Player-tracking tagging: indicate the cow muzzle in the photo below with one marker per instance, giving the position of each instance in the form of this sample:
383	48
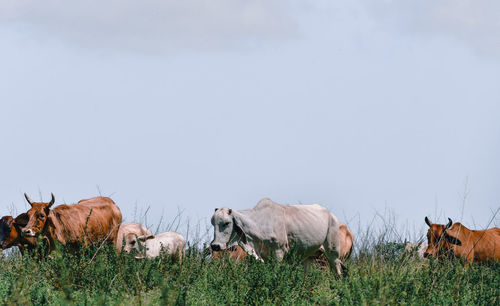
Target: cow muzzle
28	232
215	247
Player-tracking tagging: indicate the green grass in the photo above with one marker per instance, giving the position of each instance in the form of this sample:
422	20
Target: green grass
109	278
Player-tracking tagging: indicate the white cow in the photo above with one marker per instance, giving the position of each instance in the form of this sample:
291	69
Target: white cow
271	229
128	233
419	248
169	242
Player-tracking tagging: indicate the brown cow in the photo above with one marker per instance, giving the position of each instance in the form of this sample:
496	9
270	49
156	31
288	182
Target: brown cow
89	221
458	241
10	233
235	253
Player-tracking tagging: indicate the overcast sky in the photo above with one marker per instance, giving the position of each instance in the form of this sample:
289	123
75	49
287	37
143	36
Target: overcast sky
361	106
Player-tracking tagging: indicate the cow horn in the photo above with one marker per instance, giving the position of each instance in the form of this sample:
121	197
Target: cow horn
428	221
449	224
52	199
28	199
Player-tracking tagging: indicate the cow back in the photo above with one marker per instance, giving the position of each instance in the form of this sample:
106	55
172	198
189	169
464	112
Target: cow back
88	221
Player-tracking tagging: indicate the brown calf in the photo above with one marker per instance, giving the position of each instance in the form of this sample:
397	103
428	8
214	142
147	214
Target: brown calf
458	241
235	253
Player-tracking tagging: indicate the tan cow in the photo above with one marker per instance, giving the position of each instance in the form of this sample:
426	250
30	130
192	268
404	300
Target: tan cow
87	222
458	241
346	241
127	236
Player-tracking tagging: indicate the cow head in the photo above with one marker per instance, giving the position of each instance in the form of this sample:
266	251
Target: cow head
440	243
226	229
134	242
140	245
38	215
10	229
7	235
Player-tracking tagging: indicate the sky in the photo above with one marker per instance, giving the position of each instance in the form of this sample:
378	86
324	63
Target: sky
370	108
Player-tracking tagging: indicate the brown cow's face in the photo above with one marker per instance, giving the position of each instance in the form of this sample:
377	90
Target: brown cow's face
440	243
37	215
7	232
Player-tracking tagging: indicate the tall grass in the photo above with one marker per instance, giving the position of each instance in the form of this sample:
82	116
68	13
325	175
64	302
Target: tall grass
379	273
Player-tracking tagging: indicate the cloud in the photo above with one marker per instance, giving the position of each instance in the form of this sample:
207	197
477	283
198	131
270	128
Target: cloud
152	25
473	22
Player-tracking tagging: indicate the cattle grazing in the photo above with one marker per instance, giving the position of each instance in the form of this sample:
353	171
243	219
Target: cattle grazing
150	246
87	222
10	233
271	229
235	253
127	236
346	242
458	241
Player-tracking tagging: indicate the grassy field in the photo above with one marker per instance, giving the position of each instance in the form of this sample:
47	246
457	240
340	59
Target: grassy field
381	276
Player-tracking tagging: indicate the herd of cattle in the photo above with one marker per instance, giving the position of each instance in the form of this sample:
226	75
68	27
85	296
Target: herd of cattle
267	230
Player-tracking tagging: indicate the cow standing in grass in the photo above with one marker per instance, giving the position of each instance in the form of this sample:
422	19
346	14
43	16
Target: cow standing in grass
458	241
271	229
89	221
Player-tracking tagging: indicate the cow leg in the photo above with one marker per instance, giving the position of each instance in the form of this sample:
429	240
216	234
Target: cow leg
280	254
307	263
332	247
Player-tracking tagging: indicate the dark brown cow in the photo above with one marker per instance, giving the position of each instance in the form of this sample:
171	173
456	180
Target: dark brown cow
10	233
458	241
89	221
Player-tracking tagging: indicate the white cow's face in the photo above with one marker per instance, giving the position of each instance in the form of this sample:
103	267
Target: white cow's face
139	244
131	243
222	220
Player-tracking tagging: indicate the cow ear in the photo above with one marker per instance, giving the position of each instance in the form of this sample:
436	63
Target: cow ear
230	211
22	219
150	237
452	239
239	227
216	209
428	221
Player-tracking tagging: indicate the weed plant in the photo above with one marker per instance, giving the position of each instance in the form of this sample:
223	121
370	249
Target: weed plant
383	276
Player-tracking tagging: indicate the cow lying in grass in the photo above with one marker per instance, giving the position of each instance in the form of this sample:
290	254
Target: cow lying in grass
150	246
127	236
